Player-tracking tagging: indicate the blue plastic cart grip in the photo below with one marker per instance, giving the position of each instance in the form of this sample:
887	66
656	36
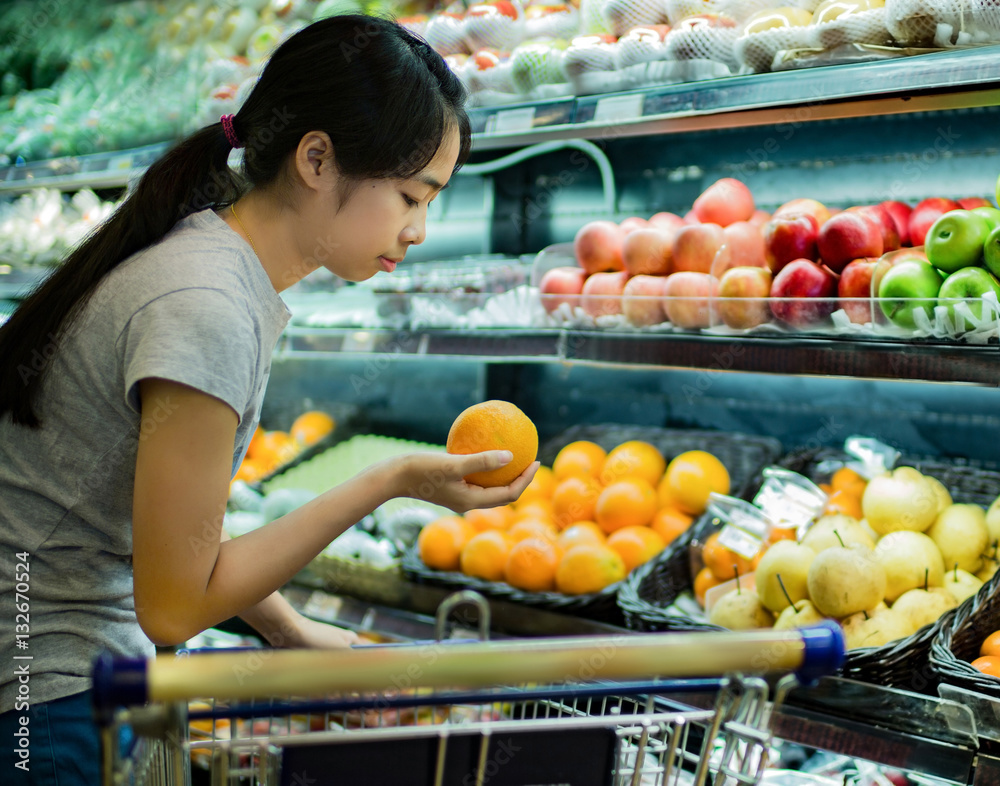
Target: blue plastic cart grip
824	651
118	682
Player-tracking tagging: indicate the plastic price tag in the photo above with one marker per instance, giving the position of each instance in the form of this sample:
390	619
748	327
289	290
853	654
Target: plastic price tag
619	108
511	121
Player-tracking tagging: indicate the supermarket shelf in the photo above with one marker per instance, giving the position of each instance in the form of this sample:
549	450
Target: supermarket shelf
873	359
15	282
99	170
936	81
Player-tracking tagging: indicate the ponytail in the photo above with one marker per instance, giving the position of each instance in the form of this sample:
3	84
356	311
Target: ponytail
194	175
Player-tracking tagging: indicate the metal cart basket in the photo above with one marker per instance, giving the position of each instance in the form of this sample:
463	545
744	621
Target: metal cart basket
538	712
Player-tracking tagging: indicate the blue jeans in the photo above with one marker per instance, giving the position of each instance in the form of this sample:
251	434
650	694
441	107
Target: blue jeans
63	744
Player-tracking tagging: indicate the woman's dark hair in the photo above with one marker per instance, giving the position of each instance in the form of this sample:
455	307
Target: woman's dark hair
386	99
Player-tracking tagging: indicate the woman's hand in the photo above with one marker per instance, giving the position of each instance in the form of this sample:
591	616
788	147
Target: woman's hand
439	478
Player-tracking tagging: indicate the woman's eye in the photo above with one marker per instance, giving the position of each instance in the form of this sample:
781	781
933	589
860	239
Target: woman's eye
410	201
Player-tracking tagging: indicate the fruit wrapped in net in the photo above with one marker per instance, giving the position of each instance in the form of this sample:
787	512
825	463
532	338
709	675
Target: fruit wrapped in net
446	33
704	37
742	10
589	64
551	20
641	45
943	23
861	27
498	25
536	63
767	33
620	16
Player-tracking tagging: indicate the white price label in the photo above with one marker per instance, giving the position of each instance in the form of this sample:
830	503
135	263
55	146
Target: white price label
120	163
513	121
618	108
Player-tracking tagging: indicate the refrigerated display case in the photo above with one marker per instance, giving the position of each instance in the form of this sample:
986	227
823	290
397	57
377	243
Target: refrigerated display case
855	133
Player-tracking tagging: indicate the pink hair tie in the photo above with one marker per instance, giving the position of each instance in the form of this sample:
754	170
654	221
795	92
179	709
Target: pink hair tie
227	126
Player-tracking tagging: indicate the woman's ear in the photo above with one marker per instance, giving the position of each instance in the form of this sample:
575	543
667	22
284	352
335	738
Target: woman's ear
314	161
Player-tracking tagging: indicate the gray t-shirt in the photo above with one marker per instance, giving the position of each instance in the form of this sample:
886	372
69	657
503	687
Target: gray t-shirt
195	308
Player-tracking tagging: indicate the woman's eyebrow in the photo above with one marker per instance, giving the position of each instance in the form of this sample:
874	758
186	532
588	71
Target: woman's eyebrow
430	181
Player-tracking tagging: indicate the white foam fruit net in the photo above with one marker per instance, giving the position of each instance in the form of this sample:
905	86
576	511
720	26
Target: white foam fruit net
703	38
866	27
943	23
620	16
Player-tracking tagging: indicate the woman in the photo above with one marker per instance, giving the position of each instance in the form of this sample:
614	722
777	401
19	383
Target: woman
132	379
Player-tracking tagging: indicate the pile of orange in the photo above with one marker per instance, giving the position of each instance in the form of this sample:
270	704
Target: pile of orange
582	524
269	450
845	489
988	661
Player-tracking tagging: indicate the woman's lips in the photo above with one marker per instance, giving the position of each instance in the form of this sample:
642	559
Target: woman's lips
388	265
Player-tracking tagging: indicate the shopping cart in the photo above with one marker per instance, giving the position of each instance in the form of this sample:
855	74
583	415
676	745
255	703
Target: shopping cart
511	713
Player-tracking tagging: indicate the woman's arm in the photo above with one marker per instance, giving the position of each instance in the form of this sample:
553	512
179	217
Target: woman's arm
185	578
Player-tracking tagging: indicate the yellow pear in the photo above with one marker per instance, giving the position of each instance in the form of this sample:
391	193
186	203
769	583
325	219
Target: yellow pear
801	615
900	500
836	530
843	581
993	525
782	574
923	607
876	630
941	491
988	570
961	584
961	534
740	610
910	560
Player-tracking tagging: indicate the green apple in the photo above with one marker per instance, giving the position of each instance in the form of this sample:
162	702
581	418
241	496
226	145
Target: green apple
969	283
991	214
956	240
998	190
907	286
991	252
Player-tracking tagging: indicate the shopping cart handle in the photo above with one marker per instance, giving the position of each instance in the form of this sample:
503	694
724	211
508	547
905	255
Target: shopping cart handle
824	651
118	682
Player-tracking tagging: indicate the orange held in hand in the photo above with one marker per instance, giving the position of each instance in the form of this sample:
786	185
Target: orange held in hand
440	542
579	458
629	502
691	477
494	425
531	565
589	567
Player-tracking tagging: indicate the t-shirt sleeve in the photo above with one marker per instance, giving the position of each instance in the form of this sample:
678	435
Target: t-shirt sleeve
197	337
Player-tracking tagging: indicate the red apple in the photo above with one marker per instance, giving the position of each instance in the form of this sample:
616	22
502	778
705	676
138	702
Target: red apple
925	214
970	203
900	212
687	299
743	293
760	217
724	202
648	252
633	223
695	247
790	236
890	235
598	247
798	207
602	293
642	300
743	247
561	285
855	289
666	222
849	235
806	291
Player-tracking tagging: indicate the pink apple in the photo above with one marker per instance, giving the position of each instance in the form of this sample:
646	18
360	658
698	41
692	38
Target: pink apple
666	222
602	293
925	214
695	247
798	207
743	247
633	223
900	212
598	246
743	293
890	235
790	236
970	203
803	293
724	202
648	252
642	300
760	217
855	289
687	299
561	285
849	235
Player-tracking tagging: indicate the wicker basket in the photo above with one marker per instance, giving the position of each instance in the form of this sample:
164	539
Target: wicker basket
957	642
601	606
651	588
906	663
743	455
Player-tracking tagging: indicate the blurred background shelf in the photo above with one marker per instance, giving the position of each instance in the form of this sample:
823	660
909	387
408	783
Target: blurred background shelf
98	170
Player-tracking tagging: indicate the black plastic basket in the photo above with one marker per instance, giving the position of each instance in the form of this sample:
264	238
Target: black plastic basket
957	641
906	663
744	456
